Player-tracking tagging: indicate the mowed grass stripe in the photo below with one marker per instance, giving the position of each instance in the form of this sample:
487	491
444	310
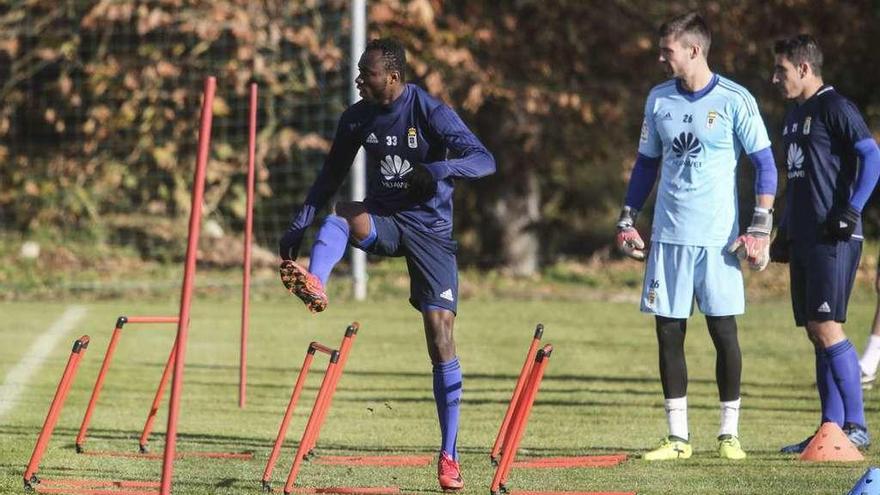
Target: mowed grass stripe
17	378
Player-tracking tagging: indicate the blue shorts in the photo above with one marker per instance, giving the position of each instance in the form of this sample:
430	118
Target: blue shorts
676	274
822	277
430	260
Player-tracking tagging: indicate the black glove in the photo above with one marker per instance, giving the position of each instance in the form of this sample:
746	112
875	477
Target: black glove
780	248
289	244
841	223
422	185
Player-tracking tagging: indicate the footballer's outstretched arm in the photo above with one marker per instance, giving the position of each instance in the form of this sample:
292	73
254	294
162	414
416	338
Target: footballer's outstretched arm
333	173
472	160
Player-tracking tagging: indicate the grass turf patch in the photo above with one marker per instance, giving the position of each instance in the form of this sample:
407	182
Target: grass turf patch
601	395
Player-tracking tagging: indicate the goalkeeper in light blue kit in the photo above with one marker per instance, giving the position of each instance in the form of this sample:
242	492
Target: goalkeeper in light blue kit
696	126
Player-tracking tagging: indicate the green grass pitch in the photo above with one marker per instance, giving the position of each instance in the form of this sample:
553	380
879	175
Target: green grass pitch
600	395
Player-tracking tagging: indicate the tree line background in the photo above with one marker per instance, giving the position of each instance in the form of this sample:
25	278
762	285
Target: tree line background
99	107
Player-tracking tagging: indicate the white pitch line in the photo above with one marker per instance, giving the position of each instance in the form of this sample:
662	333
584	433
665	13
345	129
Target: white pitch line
17	378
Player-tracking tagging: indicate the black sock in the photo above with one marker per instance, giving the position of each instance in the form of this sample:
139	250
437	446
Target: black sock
728	361
673	369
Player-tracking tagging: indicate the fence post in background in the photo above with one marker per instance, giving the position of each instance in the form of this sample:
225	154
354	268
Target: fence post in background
248	242
358	168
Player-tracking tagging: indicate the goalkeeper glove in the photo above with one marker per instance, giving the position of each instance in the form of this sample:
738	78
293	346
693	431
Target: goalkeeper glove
628	240
754	245
841	224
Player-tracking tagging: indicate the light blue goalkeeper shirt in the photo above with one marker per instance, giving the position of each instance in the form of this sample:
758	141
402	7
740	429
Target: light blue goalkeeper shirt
699	137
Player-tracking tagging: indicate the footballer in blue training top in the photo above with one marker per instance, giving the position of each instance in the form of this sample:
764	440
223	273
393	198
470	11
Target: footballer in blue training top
696	127
415	147
832	164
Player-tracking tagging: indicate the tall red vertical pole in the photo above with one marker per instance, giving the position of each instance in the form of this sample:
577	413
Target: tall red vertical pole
189	275
248	234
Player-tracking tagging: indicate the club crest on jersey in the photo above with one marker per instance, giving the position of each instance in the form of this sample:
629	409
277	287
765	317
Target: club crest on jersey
807	123
412	139
710	119
393	168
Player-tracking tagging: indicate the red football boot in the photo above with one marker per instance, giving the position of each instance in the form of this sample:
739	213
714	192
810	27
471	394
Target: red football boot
449	473
304	285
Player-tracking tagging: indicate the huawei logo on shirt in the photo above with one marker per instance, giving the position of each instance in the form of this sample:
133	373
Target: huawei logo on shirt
686	146
393	169
794	159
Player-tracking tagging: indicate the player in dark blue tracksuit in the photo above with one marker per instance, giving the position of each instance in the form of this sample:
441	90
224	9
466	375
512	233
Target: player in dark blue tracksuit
832	167
415	147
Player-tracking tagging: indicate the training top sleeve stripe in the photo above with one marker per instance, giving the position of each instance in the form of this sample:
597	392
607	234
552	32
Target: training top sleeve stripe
749	101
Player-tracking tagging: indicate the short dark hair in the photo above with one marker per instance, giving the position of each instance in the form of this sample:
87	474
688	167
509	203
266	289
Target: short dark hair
691	24
800	49
393	54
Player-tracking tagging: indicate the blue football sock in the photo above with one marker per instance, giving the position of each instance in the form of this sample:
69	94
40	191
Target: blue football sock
844	363
329	247
829	394
371	237
447	395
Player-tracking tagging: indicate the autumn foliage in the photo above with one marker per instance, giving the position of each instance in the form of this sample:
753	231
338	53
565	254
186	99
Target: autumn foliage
98	102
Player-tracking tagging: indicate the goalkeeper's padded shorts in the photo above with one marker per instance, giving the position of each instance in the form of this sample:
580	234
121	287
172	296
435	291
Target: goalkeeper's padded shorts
676	275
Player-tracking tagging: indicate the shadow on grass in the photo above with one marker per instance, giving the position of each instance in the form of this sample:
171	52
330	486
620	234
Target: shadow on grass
550	377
